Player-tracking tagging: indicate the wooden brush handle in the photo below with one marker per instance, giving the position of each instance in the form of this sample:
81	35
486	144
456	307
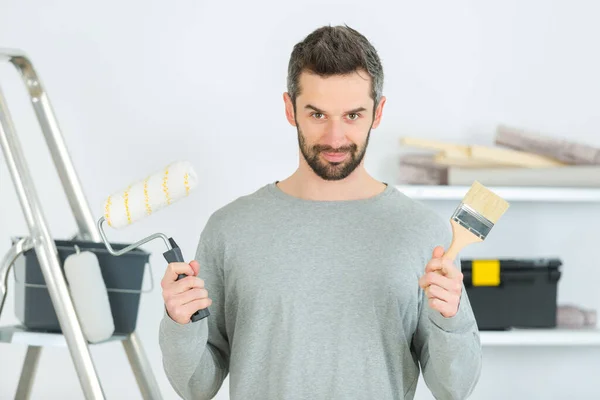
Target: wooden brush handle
461	238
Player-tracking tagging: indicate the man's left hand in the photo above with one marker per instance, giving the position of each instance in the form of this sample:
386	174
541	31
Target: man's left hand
442	283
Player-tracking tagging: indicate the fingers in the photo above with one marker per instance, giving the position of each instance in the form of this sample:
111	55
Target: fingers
183	313
445	308
171	288
195	266
438	252
439	264
185	296
190	308
437	292
444	266
444	282
451	271
190	296
442	300
185	284
174	269
435	264
443	293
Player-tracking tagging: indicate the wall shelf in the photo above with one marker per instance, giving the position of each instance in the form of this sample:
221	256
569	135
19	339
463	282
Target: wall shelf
509	193
541	337
521	337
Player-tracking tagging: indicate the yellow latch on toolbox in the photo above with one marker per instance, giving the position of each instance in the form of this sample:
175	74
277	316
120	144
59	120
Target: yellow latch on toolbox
486	272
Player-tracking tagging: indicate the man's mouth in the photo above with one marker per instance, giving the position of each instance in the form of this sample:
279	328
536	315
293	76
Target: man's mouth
335	156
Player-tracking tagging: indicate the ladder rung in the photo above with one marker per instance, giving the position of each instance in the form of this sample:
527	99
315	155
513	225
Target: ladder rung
21	335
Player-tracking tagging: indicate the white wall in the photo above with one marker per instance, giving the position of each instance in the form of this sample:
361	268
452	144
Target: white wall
208	77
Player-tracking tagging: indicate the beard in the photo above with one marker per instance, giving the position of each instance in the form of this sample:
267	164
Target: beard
332	171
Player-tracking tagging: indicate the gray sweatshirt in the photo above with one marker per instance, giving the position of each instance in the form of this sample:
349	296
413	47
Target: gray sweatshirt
320	300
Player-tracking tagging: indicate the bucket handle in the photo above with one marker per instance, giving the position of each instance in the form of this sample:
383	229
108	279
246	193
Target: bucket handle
77	250
18	248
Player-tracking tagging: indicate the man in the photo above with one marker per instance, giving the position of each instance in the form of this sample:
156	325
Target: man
328	284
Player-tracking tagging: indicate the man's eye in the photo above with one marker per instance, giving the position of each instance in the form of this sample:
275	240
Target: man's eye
317	115
353	116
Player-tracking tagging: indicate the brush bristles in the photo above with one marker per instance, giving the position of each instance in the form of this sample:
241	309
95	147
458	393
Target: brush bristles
485	202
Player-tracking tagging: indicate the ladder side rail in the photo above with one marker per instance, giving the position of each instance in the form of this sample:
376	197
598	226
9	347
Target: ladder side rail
79	205
47	256
56	144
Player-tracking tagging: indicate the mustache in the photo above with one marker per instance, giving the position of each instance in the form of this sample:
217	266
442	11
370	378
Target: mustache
325	148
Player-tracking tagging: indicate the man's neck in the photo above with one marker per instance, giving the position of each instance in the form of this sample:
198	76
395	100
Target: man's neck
305	184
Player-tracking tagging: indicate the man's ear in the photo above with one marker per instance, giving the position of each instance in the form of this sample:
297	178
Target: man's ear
378	112
289	109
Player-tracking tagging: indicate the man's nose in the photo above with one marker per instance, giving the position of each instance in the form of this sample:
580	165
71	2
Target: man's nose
334	135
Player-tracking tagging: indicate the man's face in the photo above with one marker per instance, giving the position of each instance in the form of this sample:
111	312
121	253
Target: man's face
334	118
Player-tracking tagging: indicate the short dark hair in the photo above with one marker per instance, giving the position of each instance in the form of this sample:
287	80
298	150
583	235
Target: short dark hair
336	50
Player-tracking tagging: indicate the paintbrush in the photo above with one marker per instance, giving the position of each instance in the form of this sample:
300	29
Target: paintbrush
474	218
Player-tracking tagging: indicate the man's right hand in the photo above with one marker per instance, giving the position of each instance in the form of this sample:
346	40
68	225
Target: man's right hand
185	296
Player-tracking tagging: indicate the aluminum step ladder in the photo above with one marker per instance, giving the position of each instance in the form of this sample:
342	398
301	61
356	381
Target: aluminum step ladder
41	240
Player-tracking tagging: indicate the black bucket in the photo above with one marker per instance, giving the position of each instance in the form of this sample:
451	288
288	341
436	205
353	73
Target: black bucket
123	276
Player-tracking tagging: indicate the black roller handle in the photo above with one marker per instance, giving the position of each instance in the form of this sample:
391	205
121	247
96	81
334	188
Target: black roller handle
174	255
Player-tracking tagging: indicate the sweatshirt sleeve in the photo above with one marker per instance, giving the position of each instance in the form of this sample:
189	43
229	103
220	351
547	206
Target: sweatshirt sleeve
195	355
449	349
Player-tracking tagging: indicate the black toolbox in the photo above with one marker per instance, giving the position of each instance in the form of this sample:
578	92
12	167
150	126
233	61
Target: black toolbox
123	276
512	293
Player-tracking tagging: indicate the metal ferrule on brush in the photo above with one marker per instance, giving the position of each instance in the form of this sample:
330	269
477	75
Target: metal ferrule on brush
472	220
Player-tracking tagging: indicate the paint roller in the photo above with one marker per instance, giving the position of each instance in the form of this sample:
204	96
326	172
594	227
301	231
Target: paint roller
145	197
89	294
